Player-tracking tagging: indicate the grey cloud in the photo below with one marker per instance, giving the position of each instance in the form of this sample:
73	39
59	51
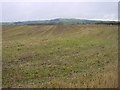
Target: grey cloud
39	11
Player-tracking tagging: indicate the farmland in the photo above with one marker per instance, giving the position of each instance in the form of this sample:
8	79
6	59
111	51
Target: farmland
60	56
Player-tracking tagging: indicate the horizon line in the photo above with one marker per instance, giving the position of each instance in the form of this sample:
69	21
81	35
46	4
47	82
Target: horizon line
60	18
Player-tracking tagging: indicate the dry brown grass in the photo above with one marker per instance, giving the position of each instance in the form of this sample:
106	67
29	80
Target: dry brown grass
64	56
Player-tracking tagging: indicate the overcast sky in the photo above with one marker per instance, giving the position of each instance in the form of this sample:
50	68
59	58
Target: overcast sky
29	11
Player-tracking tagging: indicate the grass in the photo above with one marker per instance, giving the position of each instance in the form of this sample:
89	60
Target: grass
60	56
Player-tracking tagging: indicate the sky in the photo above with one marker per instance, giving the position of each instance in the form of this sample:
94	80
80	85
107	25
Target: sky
28	11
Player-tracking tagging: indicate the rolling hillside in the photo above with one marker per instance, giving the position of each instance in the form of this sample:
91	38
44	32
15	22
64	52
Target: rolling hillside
60	56
59	21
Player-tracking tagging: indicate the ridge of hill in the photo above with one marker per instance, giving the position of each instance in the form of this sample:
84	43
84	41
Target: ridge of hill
59	21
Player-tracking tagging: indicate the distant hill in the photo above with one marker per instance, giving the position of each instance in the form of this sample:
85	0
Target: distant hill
59	21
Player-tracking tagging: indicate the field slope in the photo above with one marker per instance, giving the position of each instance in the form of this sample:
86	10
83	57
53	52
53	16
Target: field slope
65	56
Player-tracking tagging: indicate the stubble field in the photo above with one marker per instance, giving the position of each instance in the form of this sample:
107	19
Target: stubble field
60	56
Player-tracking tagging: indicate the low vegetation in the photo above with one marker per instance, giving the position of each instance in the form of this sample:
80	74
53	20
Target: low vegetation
60	21
60	56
